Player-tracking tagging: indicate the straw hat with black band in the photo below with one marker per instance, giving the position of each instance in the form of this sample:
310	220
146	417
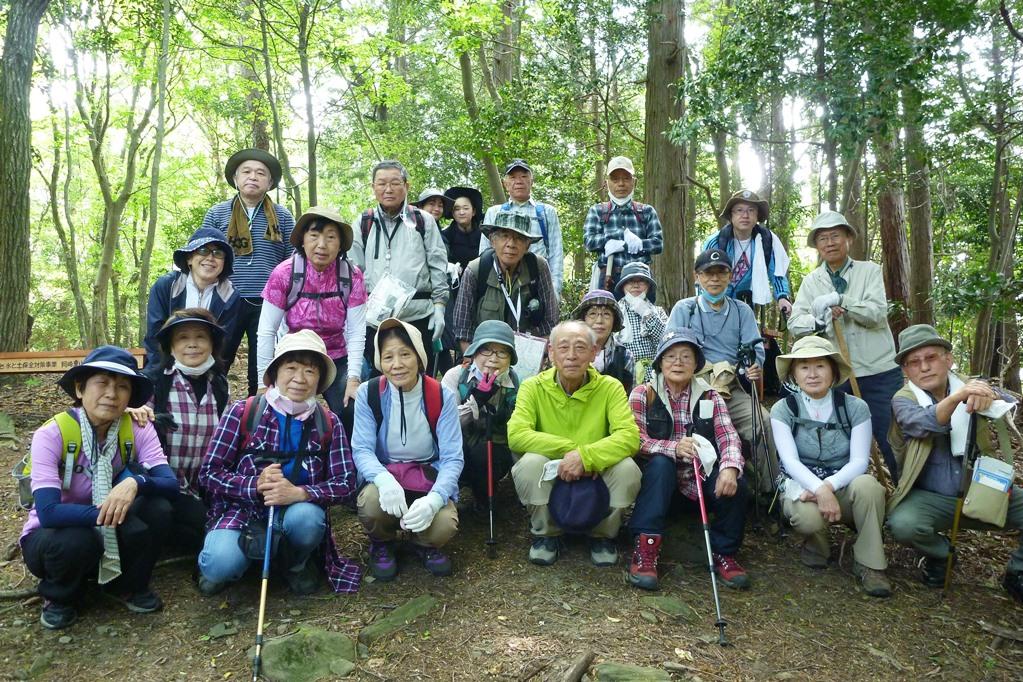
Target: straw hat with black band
810	347
303	340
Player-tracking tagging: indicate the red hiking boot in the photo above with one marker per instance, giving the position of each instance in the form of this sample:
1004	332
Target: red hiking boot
643	568
730	571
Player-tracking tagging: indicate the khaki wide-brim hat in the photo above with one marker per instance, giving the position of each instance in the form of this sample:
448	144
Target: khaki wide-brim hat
413	334
826	221
919	336
304	340
812	347
747	197
314	212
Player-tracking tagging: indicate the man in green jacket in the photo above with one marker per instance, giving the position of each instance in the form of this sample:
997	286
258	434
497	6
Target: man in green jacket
577	416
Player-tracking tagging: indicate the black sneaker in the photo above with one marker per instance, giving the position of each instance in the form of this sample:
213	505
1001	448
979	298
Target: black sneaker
1012	581
933	573
544	551
144	602
603	552
304	580
208	588
435	561
57	616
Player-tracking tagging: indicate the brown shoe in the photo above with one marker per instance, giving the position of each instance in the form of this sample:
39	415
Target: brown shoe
809	557
875	583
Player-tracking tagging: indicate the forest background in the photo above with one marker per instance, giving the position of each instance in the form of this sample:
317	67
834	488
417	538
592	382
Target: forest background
116	118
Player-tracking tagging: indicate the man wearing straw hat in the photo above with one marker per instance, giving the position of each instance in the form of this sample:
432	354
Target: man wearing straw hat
844	299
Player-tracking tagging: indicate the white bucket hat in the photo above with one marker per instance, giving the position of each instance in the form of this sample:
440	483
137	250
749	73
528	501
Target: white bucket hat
307	340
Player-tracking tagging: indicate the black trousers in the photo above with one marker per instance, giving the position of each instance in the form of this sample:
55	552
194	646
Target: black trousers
474	473
423	327
246	325
188	523
63	558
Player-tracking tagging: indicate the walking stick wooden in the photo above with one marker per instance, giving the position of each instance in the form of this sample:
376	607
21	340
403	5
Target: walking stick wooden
875	453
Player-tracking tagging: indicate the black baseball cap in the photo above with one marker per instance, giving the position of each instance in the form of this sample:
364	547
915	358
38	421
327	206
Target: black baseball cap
713	258
517	163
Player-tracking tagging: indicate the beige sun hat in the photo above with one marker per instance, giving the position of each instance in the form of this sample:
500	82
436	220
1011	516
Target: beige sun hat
812	347
747	197
413	334
826	221
304	340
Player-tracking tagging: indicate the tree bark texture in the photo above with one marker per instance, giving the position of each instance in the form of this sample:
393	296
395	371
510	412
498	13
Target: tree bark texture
16	169
892	220
921	231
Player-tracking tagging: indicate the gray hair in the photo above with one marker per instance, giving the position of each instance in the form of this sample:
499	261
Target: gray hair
390	164
562	327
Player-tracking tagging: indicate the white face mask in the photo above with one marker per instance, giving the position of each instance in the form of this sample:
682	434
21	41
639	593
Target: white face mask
624	201
634	298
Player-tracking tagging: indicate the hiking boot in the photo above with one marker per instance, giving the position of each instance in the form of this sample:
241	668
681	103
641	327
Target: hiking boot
1012	581
382	564
303	580
643	567
143	602
809	557
208	588
933	573
544	551
603	552
57	616
730	572
435	561
874	582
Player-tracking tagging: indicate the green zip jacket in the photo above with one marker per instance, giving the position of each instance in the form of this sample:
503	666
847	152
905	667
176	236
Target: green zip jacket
596	420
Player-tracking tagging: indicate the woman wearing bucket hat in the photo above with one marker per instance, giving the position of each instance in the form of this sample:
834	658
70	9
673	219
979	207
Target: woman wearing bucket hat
674	412
823	441
280	449
600	312
258	230
202	280
99	491
642	320
318	288
190	393
408	451
435	202
486	387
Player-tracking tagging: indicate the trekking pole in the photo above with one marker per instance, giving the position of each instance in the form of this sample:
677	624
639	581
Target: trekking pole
721	623
491	542
257	659
964	480
875	453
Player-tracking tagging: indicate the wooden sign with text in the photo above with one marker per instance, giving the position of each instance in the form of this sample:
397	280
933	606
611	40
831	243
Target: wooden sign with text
53	361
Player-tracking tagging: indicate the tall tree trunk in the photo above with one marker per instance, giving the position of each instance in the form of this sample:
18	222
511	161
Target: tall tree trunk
665	163
304	30
291	187
852	206
469	93
720	139
254	100
16	170
781	169
154	182
506	44
921	231
891	215
820	62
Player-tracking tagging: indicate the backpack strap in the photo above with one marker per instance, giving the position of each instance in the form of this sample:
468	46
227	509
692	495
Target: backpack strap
793	405
161	392
486	265
218	382
255	405
71	437
373	397
840	406
297	280
640	210
463	384
126	439
605	212
433	398
541	217
323	428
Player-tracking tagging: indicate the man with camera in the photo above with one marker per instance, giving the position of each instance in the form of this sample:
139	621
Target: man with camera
727	331
507	283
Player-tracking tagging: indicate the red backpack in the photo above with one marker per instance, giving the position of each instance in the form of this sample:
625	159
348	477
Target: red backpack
433	399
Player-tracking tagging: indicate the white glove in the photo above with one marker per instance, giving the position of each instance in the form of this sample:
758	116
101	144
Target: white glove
436	324
633	242
420	514
392	495
824	302
639	304
613	246
454	271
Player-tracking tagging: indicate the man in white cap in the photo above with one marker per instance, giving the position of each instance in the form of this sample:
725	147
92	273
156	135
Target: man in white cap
259	232
543	218
852	292
621	229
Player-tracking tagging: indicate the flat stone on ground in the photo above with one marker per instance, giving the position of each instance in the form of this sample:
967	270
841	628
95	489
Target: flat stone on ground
308	655
616	672
397	619
671	606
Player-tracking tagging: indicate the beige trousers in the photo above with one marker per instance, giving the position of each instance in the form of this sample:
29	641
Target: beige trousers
382	526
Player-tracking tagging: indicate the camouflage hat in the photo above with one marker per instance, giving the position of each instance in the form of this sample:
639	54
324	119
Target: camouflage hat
747	197
513	222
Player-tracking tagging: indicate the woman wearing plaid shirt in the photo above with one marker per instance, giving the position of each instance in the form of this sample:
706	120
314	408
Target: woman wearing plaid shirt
642	320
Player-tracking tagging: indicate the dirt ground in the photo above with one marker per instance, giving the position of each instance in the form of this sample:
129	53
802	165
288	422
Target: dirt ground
507	619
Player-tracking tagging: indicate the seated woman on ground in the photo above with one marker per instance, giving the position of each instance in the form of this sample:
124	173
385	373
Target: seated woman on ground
328	297
190	394
280	449
486	387
100	487
823	440
202	280
600	312
407	445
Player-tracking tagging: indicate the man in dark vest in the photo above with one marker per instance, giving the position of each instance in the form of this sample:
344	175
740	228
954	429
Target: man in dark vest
507	282
259	232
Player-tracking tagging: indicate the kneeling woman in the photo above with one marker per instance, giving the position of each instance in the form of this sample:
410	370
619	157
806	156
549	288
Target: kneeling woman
93	470
279	450
190	394
408	450
823	440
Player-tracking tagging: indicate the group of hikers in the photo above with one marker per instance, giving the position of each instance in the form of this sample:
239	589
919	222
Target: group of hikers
641	411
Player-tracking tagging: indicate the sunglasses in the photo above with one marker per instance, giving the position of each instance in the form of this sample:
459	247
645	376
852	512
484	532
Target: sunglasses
217	253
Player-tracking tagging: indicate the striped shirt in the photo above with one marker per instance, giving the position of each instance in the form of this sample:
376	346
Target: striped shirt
252	271
728	444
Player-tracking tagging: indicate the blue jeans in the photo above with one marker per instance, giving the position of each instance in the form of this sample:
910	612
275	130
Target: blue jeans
304	525
660	488
877	390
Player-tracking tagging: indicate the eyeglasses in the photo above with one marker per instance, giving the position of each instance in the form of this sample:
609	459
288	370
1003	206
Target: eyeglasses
680	359
744	210
388	184
829	238
205	251
599	313
500	353
928	360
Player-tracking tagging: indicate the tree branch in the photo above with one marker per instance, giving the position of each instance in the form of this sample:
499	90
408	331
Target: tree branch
1007	20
